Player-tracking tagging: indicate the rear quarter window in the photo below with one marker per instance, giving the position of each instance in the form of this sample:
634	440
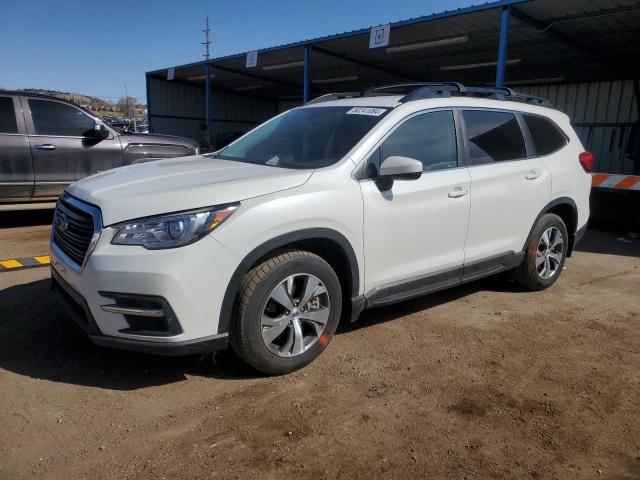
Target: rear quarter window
546	135
493	136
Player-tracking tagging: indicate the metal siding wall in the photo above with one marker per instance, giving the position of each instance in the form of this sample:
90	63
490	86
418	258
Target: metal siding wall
169	98
589	105
602	113
285	105
242	113
232	113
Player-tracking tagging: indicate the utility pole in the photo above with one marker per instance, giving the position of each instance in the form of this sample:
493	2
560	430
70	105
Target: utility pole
206	42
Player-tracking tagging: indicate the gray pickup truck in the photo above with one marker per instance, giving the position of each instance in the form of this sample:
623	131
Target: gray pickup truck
47	143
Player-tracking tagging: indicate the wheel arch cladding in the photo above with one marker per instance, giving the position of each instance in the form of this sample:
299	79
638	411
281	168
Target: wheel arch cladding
566	209
328	244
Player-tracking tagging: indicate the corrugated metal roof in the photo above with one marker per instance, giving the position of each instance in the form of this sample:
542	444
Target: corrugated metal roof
363	31
569	40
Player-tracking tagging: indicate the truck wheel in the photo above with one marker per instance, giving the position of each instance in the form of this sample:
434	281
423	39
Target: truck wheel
288	312
545	253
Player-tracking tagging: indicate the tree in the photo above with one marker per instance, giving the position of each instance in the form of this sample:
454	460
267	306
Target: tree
126	106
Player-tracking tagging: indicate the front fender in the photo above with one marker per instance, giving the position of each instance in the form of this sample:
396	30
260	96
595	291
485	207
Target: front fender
228	303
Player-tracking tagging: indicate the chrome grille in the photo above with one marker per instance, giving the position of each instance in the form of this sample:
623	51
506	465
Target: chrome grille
72	230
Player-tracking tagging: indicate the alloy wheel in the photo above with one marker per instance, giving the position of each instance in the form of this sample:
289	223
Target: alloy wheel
550	253
295	315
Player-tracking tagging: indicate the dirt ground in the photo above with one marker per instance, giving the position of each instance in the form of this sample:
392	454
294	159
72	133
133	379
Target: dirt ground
482	381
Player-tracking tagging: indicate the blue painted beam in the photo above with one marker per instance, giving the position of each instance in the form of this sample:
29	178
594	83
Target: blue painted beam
207	102
149	124
502	46
307	74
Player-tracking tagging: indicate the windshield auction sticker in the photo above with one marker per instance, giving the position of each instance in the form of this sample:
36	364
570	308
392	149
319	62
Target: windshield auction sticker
373	112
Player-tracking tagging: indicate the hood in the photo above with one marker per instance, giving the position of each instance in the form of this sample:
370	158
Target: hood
176	184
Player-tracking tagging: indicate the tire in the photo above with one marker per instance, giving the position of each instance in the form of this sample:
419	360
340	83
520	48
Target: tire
274	338
534	273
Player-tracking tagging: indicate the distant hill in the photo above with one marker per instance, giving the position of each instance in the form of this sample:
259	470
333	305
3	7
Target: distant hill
95	104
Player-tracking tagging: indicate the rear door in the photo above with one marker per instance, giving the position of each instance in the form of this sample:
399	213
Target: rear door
16	169
62	146
508	190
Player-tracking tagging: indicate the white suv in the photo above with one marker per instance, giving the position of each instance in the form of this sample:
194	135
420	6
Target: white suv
349	202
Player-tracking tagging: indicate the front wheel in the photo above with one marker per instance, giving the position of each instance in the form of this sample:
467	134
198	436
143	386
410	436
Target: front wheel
545	254
288	312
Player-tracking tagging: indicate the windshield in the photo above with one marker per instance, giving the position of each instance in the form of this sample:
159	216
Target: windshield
305	137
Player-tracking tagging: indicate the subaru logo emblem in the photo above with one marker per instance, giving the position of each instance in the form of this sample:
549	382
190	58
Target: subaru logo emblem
62	223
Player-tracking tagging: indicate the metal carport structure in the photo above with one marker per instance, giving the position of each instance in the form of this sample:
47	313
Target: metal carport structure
582	54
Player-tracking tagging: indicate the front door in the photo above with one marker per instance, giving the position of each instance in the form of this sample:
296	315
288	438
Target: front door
62	146
414	233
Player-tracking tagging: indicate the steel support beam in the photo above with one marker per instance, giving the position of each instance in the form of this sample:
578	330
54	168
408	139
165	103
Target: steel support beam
297	86
364	63
149	124
207	101
636	91
502	46
307	74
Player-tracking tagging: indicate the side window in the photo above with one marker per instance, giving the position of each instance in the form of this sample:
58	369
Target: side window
493	137
547	137
54	118
429	137
7	116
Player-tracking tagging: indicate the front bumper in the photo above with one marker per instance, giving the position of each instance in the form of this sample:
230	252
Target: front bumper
77	308
190	282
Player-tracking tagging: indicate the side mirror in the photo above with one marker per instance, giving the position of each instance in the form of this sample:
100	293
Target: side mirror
398	168
100	131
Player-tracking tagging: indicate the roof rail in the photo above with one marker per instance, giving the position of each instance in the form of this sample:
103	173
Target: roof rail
421	91
408	88
436	90
334	96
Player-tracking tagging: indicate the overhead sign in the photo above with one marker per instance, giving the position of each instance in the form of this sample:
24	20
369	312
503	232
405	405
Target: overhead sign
170	73
379	36
252	59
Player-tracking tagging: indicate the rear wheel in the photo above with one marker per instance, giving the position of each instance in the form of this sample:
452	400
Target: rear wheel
545	254
288	312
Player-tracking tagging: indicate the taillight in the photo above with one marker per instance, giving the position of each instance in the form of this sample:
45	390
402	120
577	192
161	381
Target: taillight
586	160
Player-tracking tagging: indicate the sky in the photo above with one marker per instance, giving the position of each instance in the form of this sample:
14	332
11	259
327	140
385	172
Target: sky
94	48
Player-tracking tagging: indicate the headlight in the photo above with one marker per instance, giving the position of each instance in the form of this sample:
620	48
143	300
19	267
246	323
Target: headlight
173	230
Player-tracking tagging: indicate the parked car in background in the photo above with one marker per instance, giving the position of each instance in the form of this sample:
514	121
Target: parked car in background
47	143
126	125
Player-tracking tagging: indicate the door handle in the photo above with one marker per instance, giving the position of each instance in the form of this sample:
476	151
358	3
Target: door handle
46	146
532	175
458	192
